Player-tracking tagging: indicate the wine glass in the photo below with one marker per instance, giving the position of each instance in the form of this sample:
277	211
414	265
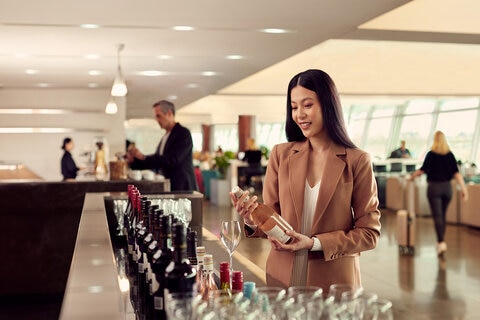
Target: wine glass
230	236
379	309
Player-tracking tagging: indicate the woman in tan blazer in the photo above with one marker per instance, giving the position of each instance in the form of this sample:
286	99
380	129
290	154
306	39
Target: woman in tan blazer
323	185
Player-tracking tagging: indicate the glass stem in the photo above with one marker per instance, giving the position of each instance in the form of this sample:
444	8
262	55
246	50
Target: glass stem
231	270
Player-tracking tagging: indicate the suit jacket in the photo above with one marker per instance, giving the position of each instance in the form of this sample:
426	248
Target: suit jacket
346	220
176	163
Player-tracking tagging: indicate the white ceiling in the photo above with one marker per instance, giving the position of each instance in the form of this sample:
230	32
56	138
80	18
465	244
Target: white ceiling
425	47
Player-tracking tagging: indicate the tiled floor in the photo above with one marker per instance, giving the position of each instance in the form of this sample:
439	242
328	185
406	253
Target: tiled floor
420	286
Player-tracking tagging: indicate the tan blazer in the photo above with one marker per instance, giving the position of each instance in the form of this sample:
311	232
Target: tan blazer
346	221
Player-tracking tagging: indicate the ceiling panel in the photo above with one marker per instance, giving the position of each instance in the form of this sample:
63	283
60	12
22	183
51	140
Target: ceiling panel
370	47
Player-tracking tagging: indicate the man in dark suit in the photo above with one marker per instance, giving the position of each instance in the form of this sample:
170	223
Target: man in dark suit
173	157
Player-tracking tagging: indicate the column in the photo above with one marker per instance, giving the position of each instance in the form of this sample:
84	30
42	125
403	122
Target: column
206	130
246	129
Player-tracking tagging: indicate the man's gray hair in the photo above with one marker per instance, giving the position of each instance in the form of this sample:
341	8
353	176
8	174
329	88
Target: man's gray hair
165	105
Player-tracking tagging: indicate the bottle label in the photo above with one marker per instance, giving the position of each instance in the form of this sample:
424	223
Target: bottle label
155	285
278	233
225	285
158	303
149	272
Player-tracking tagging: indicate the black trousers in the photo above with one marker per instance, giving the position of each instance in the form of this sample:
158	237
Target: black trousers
439	195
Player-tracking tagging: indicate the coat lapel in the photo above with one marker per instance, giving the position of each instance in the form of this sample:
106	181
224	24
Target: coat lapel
331	176
171	138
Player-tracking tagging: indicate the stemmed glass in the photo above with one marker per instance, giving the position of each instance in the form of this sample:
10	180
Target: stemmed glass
230	235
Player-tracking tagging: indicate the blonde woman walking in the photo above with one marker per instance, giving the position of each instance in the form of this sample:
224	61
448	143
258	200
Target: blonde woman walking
440	166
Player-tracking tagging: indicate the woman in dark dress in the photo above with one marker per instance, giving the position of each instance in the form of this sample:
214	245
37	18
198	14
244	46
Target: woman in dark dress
69	168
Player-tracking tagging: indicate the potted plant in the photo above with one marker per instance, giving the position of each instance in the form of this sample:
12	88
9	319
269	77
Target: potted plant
219	187
222	162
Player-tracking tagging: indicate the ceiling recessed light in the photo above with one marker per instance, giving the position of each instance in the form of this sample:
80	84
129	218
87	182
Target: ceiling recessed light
209	73
20	55
192	85
43	85
89	26
153	73
31	71
94	72
164	56
275	30
234	57
93	85
172	97
183	28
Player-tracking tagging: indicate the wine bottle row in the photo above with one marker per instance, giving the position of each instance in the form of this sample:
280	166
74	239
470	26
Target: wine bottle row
164	259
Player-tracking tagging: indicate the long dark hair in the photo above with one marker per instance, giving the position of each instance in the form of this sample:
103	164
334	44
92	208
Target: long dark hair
321	83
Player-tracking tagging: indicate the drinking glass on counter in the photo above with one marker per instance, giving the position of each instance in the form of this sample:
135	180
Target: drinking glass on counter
230	235
270	301
379	309
336	290
267	303
180	208
179	305
306	302
304	293
357	302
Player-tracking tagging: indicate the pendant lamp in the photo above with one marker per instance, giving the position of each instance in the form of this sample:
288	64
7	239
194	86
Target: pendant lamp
119	88
111	107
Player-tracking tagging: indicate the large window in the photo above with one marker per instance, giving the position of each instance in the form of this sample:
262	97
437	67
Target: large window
356	118
270	134
369	127
197	138
459	128
416	126
226	136
379	129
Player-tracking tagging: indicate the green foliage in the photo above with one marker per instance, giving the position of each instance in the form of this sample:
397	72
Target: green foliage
229	154
222	162
265	151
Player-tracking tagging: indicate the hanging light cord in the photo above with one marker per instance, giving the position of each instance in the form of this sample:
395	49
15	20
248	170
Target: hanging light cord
120	48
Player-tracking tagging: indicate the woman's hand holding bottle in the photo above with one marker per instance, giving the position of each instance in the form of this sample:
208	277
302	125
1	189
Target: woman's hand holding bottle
299	242
245	206
259	215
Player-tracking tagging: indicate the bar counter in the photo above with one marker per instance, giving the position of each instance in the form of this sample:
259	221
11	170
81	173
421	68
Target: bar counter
93	286
40	221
